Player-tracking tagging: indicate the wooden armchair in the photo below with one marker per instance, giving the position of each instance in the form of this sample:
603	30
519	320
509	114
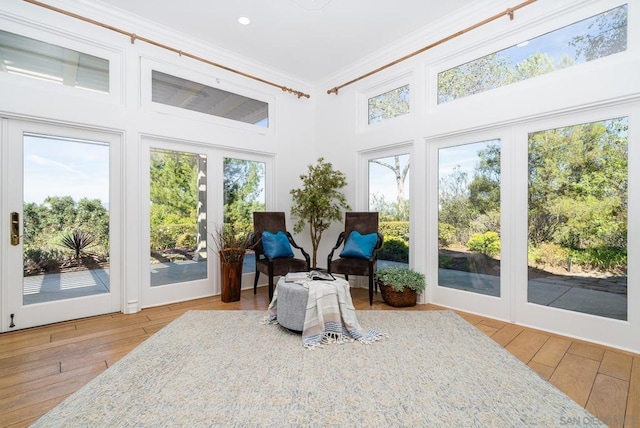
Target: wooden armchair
274	222
365	223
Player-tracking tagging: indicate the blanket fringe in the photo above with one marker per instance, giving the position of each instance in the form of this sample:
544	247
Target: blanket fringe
328	338
371	337
271	319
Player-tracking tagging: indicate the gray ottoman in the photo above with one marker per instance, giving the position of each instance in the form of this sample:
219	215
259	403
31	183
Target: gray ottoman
291	305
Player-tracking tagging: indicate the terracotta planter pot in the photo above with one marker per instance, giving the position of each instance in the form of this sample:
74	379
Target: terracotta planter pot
398	299
231	280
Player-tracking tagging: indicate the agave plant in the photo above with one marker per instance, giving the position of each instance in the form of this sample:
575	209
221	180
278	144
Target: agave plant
78	241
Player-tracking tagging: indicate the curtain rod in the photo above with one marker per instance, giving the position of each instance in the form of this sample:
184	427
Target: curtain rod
509	11
134	37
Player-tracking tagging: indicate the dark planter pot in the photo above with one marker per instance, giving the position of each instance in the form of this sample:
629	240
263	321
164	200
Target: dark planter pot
398	299
231	276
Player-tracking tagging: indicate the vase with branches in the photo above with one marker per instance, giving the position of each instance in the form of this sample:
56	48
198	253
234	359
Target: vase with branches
231	245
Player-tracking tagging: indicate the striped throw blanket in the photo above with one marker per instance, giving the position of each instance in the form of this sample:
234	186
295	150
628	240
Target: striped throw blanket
330	315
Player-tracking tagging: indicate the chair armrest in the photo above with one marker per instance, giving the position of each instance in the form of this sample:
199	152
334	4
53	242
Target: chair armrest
335	247
379	243
294	245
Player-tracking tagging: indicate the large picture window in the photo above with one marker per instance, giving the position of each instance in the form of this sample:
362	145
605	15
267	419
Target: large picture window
596	37
578	202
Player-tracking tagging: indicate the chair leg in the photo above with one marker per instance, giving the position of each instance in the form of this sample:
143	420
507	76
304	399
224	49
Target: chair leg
370	289
270	288
255	281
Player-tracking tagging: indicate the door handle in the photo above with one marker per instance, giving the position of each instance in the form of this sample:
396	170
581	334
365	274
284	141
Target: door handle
15	228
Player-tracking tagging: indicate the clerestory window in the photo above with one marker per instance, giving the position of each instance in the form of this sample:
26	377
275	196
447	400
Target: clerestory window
592	38
32	58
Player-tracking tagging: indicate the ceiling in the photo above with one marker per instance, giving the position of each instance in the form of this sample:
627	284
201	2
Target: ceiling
308	39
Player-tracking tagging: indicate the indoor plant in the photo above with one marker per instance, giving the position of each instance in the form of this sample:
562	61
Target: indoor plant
400	286
319	202
231	246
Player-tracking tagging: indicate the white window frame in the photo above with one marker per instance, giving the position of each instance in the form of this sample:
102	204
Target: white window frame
74	42
148	65
527	29
379	89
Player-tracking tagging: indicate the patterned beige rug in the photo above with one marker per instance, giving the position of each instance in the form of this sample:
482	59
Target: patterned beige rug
224	368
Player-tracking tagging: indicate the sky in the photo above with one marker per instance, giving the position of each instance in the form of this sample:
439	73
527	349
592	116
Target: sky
465	156
382	180
61	167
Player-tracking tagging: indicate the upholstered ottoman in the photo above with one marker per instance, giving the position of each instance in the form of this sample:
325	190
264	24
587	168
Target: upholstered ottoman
292	304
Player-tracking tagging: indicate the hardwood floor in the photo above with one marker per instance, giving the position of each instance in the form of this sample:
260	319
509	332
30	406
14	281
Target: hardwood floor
40	367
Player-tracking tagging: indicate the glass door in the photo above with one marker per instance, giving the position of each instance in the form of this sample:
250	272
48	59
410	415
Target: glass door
470	241
177	188
576	251
62	215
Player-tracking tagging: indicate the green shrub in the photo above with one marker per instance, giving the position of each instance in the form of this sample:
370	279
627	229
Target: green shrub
186	240
485	243
604	258
41	255
395	229
166	236
548	254
394	249
400	277
444	261
446	234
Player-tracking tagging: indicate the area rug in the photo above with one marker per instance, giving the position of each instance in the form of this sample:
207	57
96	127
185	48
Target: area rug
224	368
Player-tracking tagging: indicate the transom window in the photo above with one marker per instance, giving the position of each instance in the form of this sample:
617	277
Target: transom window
186	94
388	105
596	37
32	58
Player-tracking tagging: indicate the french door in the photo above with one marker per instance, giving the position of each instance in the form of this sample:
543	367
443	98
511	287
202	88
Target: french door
60	212
533	224
472	246
177	264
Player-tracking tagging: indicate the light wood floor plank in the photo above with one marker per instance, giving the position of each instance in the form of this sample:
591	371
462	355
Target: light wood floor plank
632	414
47	381
507	333
104	353
16	377
586	350
608	400
54	351
488	330
526	345
544	371
552	351
575	376
616	364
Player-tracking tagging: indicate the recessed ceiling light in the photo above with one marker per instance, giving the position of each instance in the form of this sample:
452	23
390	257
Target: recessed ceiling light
243	20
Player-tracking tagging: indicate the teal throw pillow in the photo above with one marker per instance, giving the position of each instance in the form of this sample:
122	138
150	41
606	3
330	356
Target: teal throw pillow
359	246
276	245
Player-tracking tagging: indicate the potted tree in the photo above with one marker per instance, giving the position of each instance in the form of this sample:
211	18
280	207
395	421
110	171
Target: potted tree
231	246
400	286
319	201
